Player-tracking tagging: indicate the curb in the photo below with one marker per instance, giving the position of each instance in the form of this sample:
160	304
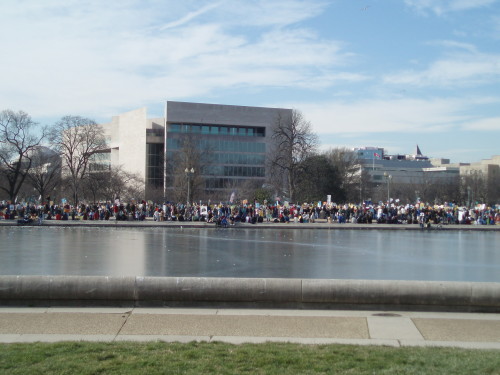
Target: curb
196	224
260	292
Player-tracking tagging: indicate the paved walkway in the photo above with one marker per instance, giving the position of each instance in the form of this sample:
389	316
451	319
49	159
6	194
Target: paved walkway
398	329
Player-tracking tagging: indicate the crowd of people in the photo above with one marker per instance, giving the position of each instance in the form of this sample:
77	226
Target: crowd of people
227	214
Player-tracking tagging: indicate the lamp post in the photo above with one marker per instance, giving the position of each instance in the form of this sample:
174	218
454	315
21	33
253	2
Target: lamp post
189	174
360	185
388	178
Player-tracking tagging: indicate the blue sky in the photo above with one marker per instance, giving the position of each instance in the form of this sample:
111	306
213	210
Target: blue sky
385	73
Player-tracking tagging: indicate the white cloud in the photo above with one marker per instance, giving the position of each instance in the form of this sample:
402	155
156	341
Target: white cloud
454	44
485	124
397	125
457	69
271	13
496	27
440	7
388	116
190	16
69	57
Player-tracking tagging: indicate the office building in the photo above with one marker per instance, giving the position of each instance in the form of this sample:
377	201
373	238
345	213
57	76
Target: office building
224	145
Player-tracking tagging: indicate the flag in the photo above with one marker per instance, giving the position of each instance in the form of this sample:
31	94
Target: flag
377	155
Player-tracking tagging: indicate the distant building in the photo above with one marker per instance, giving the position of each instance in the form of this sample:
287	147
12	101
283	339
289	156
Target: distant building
481	179
237	137
405	169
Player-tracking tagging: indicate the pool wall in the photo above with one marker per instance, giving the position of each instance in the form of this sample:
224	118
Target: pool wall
18	290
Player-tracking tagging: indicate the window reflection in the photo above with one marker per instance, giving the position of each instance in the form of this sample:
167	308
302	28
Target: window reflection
242	131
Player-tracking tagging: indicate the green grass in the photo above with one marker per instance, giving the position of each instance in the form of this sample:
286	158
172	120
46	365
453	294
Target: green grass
219	358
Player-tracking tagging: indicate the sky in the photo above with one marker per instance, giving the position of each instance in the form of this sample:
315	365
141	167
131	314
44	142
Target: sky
378	73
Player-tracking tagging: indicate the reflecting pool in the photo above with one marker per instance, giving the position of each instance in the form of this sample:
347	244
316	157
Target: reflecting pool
283	253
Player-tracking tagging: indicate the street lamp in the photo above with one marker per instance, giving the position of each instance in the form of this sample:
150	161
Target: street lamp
360	184
388	178
189	174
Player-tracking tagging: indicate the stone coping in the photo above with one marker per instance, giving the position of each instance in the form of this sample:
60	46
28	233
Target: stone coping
265	292
319	224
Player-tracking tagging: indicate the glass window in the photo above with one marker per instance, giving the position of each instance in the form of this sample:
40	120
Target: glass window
176	128
214	130
234	131
205	129
223	130
250	132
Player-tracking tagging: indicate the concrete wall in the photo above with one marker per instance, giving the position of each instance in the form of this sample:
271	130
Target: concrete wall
132	135
127	140
199	113
298	293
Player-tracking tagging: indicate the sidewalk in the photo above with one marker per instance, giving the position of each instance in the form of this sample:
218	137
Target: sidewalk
397	329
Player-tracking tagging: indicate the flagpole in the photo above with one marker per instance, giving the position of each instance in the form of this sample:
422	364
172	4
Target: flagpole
165	154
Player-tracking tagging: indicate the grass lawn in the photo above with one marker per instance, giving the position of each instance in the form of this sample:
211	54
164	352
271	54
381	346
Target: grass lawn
220	358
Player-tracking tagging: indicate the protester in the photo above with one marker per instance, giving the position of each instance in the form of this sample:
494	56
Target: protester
306	213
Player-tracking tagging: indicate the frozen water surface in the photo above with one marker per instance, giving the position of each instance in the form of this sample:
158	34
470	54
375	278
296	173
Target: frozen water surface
287	253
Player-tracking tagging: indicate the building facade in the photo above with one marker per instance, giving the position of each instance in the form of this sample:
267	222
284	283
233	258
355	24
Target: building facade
224	145
481	180
405	169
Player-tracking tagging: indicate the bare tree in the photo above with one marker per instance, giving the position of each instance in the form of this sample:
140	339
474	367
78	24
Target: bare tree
348	168
293	142
317	180
17	141
77	139
252	190
45	174
474	187
126	185
94	184
189	156
493	184
111	184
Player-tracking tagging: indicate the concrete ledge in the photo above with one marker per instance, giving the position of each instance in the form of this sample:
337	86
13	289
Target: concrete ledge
56	288
189	291
396	292
318	224
485	294
194	289
92	288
